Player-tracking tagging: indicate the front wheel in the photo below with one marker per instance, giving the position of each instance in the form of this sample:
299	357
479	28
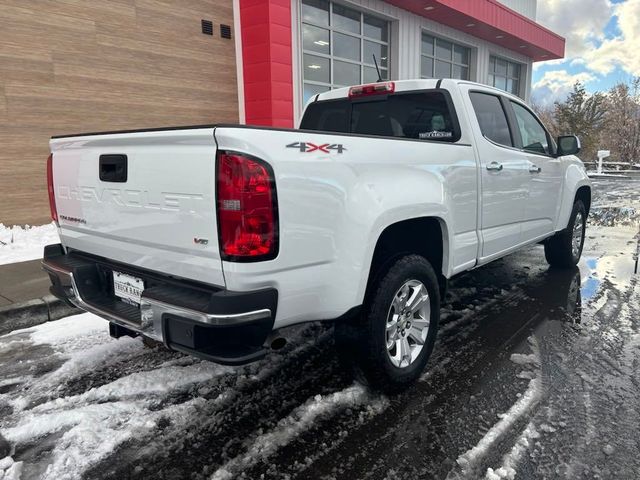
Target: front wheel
390	344
565	248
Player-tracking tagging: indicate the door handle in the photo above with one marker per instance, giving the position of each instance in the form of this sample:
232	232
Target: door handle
495	167
534	169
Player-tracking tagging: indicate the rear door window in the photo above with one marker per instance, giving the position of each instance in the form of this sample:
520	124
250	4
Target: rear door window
420	116
492	118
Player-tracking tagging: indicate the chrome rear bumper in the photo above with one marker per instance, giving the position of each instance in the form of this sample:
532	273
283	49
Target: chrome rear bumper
226	327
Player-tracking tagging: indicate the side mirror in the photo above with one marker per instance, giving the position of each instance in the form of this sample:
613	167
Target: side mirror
568	145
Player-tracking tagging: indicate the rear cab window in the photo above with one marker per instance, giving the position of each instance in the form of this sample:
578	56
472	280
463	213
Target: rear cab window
426	115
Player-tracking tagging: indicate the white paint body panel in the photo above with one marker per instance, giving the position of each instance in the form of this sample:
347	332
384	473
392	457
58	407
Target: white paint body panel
504	192
151	220
543	194
332	207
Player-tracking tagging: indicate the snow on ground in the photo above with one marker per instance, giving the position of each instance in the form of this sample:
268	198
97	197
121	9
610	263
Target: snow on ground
92	424
510	461
64	334
10	470
610	216
470	460
300	420
529	399
94	429
83	342
85	427
19	244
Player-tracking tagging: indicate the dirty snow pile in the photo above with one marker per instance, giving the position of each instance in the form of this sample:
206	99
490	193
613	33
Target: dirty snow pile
611	216
19	244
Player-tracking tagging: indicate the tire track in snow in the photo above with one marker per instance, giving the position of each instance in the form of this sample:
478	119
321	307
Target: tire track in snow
58	435
510	461
591	399
301	419
250	404
415	436
472	461
96	422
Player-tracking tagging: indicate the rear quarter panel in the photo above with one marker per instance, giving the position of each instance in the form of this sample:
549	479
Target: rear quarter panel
333	207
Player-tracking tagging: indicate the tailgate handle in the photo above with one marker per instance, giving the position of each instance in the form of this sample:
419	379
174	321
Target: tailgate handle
113	168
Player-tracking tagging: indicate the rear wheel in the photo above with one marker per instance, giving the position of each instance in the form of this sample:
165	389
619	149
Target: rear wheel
389	344
565	248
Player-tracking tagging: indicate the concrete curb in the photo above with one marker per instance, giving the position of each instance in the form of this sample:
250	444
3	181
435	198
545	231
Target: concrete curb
33	312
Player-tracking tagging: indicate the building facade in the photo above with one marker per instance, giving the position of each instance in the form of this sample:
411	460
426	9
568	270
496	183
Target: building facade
70	67
312	46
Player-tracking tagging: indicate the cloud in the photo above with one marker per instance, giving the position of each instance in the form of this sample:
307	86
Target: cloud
581	22
559	61
591	43
622	50
555	85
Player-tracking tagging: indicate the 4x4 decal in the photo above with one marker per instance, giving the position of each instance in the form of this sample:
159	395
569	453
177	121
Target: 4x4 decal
308	147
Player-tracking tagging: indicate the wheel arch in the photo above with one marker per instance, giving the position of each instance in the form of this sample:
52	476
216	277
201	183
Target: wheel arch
584	194
425	236
576	186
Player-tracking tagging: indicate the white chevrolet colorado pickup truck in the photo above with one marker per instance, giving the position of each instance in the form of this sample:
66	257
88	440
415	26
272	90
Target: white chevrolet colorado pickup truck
212	239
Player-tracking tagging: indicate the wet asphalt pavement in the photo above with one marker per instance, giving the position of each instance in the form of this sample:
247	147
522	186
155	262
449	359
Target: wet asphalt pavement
536	374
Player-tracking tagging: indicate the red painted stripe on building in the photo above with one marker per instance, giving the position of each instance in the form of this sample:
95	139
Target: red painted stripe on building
267	62
493	22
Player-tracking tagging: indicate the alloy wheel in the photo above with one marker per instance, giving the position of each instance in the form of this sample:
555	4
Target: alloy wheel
408	323
576	238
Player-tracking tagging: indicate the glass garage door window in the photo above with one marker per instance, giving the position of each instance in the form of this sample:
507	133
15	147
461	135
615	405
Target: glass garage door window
443	59
505	75
338	44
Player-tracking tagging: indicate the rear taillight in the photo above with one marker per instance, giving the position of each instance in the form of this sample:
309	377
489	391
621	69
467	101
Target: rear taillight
246	205
372	89
52	197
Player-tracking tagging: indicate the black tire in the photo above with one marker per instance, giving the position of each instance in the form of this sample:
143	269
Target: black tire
362	341
558	250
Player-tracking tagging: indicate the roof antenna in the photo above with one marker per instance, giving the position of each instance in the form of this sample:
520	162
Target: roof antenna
375	62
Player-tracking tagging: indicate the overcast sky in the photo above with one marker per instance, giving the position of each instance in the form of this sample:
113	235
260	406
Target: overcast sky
603	45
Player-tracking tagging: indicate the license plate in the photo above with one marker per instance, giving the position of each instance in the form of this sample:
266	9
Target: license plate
128	288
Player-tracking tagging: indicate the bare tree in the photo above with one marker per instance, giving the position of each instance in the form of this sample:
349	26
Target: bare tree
548	117
622	126
583	115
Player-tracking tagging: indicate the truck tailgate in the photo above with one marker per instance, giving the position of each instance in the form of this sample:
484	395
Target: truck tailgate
145	199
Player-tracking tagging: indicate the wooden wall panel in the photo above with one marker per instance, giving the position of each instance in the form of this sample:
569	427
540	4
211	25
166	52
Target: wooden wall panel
72	66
